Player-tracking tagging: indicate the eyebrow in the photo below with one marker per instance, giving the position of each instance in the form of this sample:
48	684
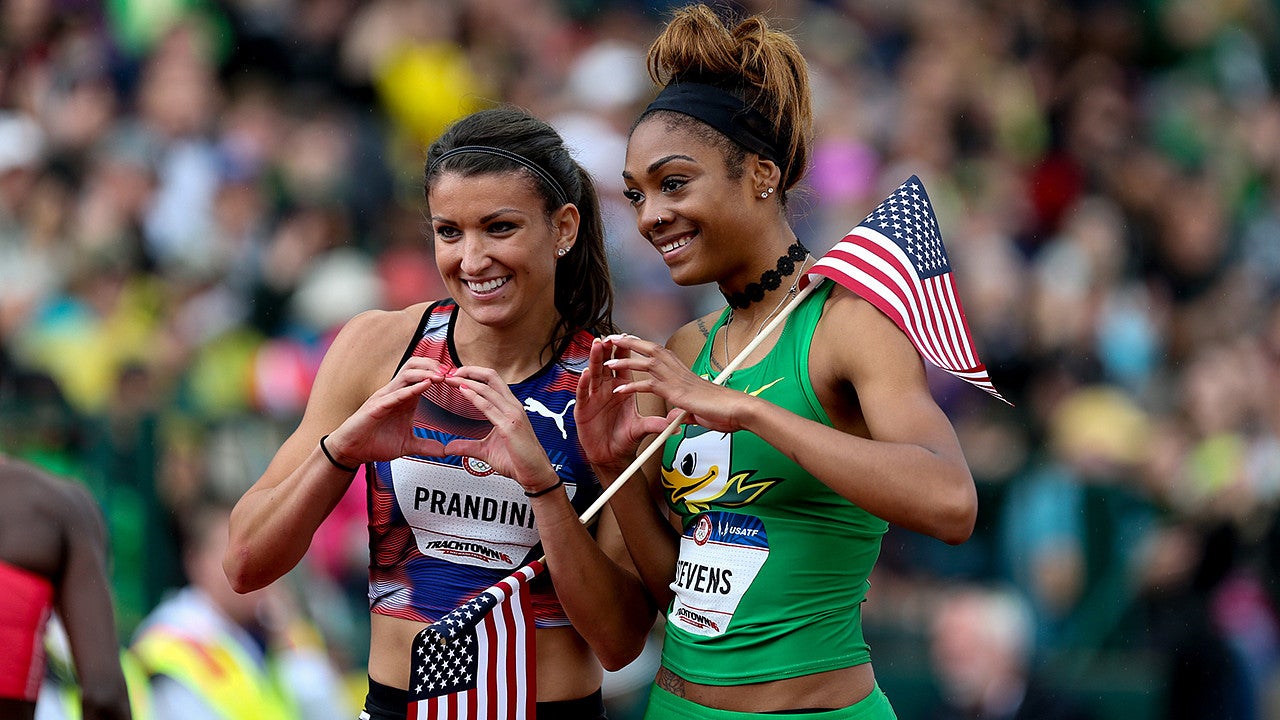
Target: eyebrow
659	163
487	218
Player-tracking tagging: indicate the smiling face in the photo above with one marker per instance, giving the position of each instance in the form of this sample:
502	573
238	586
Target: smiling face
496	248
707	214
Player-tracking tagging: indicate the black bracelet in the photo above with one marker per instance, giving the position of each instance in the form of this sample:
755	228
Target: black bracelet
335	463
544	491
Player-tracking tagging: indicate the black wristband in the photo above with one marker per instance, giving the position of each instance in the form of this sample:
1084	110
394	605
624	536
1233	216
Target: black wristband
544	491
335	463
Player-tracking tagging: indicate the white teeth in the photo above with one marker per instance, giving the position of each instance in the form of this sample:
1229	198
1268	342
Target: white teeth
668	247
487	285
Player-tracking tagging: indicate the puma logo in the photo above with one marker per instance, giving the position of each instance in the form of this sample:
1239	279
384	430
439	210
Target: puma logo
533	406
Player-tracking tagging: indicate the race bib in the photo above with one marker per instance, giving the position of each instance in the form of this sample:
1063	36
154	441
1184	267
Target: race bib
720	555
468	515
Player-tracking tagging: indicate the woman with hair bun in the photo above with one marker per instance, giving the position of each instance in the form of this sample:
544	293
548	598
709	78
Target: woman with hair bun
781	483
459	410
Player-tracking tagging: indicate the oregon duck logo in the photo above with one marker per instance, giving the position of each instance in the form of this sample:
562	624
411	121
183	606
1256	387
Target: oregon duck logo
699	473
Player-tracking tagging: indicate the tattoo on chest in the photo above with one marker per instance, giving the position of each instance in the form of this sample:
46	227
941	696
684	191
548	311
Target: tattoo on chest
670	682
706	333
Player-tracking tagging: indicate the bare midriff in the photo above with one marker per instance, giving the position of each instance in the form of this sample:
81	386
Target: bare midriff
567	669
832	689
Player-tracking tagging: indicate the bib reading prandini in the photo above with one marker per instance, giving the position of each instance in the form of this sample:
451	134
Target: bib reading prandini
466	514
721	554
442	529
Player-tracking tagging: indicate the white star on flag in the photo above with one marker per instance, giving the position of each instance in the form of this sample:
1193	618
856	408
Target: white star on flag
481	656
895	260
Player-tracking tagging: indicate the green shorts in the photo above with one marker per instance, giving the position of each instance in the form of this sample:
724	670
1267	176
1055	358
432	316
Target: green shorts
665	706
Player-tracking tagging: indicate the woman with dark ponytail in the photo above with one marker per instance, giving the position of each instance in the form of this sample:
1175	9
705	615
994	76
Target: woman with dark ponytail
781	482
460	411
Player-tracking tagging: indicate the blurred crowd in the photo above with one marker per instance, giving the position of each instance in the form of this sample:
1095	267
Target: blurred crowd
196	194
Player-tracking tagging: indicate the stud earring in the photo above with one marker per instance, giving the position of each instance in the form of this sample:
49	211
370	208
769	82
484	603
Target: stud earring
561	251
766	193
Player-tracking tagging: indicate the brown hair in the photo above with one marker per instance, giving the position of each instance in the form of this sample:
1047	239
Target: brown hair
758	63
584	293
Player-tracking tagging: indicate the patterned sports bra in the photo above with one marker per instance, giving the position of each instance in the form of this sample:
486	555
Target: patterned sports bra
441	530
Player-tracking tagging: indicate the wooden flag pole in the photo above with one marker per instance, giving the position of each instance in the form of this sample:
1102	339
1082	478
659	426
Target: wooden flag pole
720	379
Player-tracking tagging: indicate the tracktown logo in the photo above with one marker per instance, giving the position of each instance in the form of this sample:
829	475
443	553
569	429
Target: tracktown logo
696	620
471	550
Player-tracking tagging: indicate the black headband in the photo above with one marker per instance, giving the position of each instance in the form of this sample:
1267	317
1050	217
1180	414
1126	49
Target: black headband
725	112
561	195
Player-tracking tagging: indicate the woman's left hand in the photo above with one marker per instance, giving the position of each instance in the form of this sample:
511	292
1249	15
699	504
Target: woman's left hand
511	447
665	375
610	426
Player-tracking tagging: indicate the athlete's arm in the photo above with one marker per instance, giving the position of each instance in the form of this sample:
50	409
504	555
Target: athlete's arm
273	523
650	535
85	606
893	451
596	584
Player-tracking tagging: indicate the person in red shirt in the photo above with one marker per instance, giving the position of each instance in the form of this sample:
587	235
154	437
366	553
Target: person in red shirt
53	558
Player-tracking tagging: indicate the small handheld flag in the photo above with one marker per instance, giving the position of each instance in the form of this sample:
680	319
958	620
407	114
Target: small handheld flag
895	260
477	662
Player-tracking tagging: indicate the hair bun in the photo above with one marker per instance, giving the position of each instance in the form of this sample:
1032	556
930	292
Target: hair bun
745	56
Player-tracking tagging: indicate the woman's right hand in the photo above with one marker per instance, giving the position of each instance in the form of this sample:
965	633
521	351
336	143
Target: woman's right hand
664	374
610	426
382	428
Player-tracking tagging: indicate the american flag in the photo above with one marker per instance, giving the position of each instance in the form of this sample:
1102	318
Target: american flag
895	260
477	662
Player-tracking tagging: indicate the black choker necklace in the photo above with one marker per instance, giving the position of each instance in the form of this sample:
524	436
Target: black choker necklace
770	279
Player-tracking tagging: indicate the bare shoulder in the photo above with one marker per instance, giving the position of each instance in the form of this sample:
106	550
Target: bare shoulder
40	513
67	500
376	330
370	345
80	512
74	496
688	341
29	490
861	363
854	339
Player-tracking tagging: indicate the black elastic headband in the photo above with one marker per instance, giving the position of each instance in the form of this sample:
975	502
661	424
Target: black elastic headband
725	112
561	195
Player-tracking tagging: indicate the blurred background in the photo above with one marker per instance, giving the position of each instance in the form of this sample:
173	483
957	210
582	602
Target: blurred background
196	194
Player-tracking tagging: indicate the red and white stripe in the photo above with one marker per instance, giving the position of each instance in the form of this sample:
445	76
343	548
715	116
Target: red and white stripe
928	311
505	649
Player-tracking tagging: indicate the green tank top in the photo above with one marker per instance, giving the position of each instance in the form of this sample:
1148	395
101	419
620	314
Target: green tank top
773	564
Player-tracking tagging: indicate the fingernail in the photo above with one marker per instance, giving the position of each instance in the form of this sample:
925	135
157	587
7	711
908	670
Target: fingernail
610	363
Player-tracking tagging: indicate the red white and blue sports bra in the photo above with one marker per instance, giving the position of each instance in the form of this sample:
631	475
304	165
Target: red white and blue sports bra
441	530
